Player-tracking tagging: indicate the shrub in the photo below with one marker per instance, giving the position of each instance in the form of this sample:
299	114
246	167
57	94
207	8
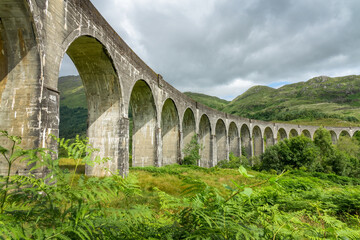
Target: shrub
192	152
291	153
234	162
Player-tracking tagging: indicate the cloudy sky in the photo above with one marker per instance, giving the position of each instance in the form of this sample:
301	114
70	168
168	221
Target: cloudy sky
223	47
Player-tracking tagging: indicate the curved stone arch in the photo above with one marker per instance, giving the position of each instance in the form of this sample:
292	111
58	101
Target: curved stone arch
170	133
281	134
86	32
269	139
103	95
257	140
233	136
144	115
293	133
334	137
306	133
221	140
245	136
205	141
344	133
188	127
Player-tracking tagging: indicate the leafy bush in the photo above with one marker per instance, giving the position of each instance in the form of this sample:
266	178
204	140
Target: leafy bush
192	152
234	161
294	153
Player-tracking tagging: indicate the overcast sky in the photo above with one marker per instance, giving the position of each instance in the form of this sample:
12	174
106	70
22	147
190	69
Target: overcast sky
223	47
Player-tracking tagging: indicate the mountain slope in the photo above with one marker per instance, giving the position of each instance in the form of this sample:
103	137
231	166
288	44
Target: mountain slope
319	98
210	101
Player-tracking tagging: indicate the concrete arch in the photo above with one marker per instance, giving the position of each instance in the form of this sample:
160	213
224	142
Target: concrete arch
344	133
306	133
269	137
293	133
281	135
246	146
170	133
221	140
20	64
257	141
188	126
234	144
205	141
144	111
334	137
103	94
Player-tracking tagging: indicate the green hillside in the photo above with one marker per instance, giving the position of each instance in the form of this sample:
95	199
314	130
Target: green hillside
210	101
321	100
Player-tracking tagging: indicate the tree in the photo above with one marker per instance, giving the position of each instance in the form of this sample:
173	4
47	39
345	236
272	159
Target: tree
192	152
322	139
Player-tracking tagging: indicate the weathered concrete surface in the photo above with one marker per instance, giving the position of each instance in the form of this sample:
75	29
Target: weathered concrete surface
35	35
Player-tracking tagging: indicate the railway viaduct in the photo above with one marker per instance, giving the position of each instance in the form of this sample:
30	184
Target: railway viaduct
35	35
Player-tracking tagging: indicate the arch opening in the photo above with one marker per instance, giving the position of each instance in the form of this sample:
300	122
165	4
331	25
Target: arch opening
221	143
306	133
281	135
170	133
234	144
269	137
103	95
205	141
293	133
246	148
345	133
188	127
144	116
257	141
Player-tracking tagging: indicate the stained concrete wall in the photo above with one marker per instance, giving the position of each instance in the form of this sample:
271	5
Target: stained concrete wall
221	141
34	37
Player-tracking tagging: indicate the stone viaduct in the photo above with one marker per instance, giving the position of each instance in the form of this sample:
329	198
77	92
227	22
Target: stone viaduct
35	35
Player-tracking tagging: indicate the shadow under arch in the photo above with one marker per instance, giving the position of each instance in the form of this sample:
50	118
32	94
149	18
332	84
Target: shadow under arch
306	133
234	139
143	110
257	141
103	96
293	133
221	142
269	137
188	127
205	141
170	133
246	148
344	133
281	135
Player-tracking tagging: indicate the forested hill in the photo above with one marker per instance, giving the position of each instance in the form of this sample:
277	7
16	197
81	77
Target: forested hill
319	101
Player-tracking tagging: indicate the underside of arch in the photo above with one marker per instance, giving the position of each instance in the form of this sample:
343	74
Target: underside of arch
20	89
293	133
221	143
269	137
281	135
306	133
170	133
144	118
245	141
257	141
334	138
188	126
205	141
234	139
103	95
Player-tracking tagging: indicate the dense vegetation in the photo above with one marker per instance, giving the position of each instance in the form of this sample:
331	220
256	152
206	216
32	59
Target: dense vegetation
172	202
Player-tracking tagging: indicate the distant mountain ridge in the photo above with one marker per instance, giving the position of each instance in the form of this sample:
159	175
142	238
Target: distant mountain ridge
318	101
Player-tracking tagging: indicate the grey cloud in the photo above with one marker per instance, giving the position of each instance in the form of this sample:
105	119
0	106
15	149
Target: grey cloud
258	41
